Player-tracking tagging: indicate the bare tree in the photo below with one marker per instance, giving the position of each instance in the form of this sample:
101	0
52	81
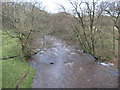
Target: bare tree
21	19
87	18
113	11
90	27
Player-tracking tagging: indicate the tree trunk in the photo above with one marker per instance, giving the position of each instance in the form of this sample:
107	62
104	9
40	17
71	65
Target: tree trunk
118	26
119	57
113	42
119	50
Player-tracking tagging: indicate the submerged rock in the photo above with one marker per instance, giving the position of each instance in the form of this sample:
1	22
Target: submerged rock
51	63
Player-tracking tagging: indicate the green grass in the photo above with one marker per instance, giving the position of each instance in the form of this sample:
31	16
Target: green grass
14	70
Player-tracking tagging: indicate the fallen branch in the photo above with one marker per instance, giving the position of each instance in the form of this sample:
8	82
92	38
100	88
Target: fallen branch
9	57
27	56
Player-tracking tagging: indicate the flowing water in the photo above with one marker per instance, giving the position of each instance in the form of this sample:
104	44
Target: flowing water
62	66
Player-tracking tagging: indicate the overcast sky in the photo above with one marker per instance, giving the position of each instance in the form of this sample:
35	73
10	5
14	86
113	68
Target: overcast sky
53	7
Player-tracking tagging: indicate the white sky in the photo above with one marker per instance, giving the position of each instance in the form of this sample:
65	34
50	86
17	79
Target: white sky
52	5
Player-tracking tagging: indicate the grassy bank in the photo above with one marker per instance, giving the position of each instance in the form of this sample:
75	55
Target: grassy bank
15	72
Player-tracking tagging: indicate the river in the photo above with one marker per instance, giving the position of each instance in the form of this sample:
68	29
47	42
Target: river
63	66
